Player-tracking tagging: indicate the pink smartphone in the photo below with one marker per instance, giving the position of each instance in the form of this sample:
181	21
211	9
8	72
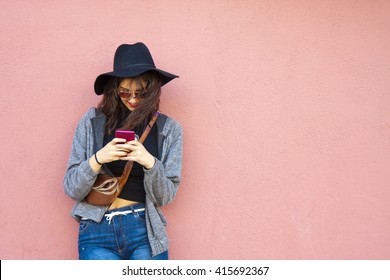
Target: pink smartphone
129	135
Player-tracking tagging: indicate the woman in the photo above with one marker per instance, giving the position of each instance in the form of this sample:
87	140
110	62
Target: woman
133	226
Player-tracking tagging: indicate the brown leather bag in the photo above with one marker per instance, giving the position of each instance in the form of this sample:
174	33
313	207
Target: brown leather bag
107	188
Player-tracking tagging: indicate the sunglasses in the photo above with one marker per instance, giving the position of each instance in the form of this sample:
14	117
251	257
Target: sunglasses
128	95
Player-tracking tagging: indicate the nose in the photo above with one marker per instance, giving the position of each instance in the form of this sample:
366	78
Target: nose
133	96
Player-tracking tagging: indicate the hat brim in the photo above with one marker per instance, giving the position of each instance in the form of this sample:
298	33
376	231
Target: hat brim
102	79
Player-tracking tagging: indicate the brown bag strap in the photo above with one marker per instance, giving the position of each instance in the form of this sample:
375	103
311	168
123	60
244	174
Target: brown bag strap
129	165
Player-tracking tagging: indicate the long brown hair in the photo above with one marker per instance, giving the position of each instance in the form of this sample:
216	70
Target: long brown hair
118	115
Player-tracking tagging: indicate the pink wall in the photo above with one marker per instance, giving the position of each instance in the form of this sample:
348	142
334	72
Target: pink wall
285	107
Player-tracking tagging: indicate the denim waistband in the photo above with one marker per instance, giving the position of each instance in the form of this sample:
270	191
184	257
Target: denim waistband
138	207
124	211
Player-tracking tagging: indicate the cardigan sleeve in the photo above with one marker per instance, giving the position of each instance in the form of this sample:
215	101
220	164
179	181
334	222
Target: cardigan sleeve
162	181
79	176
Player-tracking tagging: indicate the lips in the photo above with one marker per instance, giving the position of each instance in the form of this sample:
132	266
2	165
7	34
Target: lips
133	105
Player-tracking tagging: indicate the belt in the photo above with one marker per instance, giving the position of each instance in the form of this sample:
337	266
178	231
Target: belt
116	213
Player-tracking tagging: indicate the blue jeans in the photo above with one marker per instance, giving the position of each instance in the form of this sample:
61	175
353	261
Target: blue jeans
124	237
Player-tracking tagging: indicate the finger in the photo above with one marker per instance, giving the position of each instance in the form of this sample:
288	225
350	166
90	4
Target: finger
129	158
119	154
123	147
116	141
134	142
126	145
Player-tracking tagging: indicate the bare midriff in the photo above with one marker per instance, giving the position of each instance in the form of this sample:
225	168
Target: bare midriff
120	202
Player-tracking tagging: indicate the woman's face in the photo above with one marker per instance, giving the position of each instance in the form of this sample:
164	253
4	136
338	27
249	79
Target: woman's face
129	92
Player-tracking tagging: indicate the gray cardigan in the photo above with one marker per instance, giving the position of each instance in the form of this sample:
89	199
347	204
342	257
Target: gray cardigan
161	182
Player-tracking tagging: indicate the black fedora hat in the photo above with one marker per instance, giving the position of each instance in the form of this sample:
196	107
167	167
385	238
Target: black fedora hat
131	61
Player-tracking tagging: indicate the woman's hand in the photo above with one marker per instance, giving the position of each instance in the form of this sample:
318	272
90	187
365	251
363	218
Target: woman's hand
138	153
114	150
